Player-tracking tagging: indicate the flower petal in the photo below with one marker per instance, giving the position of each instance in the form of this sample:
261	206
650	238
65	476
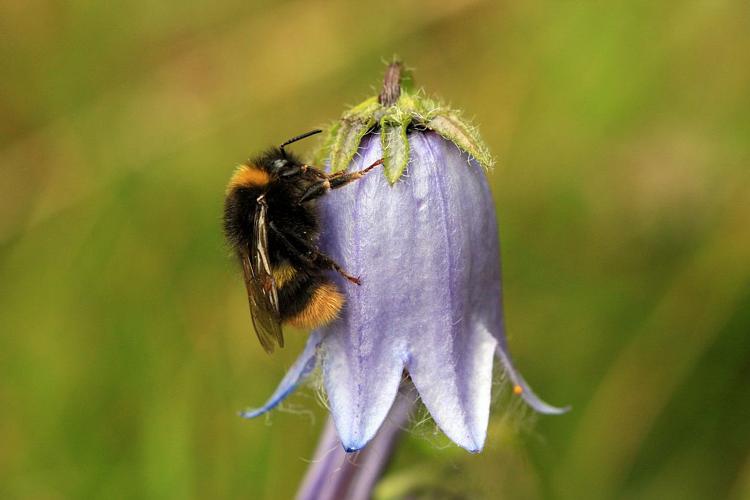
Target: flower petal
362	353
451	360
301	368
526	393
361	382
456	386
487	300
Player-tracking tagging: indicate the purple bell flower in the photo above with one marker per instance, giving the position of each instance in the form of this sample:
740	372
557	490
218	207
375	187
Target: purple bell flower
426	249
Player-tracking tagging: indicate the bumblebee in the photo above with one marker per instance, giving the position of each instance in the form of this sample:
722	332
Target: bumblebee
272	225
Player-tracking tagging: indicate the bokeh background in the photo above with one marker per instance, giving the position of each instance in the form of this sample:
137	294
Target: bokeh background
623	136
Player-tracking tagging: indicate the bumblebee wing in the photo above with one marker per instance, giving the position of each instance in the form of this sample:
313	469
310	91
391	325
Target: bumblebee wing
261	286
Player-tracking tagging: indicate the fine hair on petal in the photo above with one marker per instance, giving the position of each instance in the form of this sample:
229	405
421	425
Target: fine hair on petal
421	424
507	407
316	383
300	410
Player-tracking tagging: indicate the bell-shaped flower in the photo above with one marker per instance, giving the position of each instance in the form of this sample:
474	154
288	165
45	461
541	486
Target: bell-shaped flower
423	239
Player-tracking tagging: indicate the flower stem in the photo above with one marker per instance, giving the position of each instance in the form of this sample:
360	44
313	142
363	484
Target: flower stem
391	85
335	474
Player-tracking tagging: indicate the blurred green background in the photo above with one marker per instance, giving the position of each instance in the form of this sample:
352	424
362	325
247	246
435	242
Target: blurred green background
623	136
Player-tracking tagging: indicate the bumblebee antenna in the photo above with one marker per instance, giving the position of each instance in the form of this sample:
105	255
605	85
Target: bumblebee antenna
298	138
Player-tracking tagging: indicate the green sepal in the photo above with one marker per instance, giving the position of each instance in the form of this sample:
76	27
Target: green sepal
455	129
352	127
329	137
412	109
395	146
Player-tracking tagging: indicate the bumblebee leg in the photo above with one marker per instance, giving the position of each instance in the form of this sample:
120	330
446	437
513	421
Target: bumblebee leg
314	171
326	261
320	174
308	255
334	181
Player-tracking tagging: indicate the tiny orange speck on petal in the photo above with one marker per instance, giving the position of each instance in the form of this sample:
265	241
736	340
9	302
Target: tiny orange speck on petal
517	390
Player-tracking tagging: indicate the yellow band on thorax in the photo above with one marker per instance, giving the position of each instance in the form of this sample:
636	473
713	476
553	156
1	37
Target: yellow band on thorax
248	176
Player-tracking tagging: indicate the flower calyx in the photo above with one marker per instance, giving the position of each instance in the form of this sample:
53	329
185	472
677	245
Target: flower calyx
394	113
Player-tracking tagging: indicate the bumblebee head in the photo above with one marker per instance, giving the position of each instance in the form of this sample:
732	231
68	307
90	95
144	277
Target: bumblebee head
279	165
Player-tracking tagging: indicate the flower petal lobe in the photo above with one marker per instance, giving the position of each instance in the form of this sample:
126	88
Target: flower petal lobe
301	368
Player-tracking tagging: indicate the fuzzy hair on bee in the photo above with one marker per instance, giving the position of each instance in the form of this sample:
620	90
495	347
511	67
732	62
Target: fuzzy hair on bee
271	223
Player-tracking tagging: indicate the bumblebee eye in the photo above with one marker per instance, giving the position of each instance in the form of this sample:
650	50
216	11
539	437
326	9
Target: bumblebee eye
278	165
